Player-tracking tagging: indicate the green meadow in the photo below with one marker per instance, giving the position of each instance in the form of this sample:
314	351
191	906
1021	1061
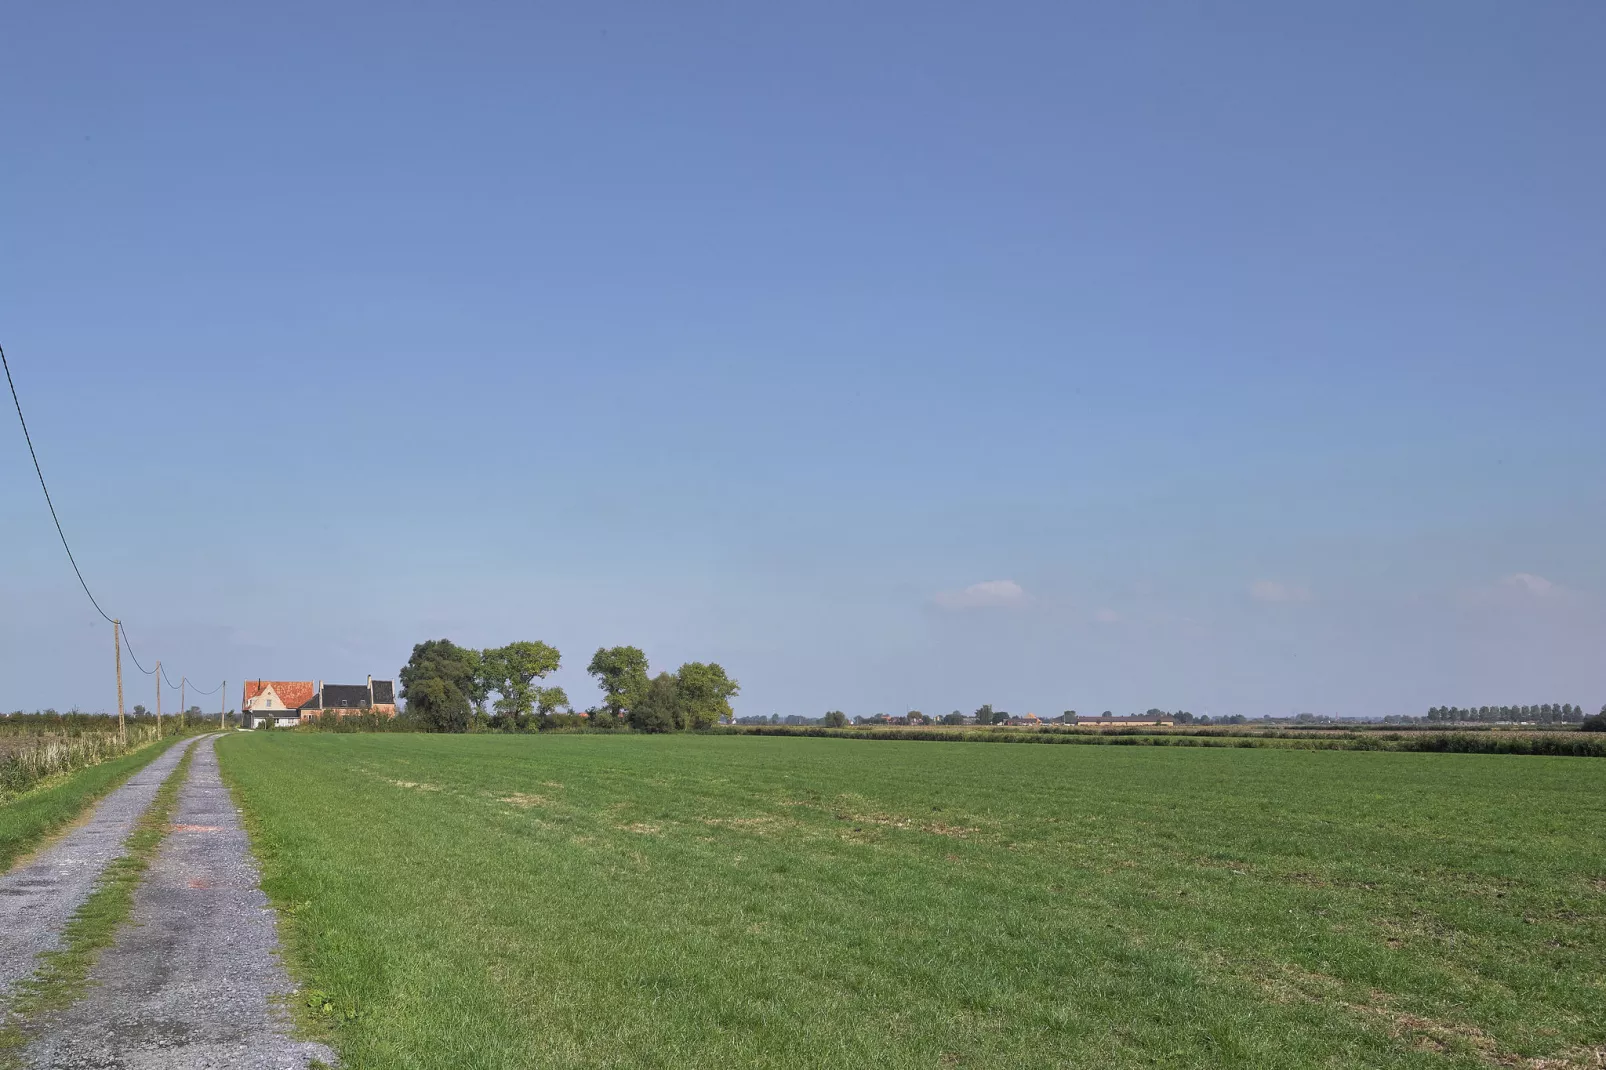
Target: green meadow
723	901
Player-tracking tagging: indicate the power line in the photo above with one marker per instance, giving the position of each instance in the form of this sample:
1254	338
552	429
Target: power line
41	474
214	691
38	471
130	646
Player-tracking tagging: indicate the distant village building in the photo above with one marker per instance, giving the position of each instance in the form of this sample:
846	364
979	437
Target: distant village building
1137	720
287	703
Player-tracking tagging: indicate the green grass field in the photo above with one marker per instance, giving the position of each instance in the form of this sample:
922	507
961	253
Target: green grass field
29	818
685	901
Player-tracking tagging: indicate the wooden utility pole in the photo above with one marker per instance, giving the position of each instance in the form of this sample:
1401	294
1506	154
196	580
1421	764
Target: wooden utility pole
222	703
158	700
117	647
182	680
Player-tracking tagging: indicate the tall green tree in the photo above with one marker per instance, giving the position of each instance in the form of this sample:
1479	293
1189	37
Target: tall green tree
621	672
511	671
440	684
705	693
659	708
984	715
835	719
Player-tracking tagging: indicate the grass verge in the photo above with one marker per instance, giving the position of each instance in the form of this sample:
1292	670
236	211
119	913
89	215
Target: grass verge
26	820
62	973
712	901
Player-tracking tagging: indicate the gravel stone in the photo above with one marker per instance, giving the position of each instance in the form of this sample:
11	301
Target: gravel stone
195	981
38	899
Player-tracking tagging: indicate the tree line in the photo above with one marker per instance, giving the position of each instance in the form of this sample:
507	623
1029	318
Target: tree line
450	688
1548	713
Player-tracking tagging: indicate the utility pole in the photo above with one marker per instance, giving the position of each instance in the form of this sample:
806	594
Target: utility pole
182	680
117	649
222	702
158	700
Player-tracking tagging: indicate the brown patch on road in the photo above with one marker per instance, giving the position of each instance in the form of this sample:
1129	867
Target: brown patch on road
194	828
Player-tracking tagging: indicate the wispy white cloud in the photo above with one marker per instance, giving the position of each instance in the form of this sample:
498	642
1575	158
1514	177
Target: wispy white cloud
1276	591
1529	584
1005	593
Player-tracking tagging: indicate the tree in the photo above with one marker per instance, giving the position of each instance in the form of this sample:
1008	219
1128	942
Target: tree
1596	723
141	711
658	708
549	700
984	715
440	684
511	672
705	693
954	718
835	719
621	672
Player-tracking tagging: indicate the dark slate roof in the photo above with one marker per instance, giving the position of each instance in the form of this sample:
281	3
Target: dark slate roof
384	692
345	696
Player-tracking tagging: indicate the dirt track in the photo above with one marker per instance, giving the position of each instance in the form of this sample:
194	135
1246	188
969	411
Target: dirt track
194	980
37	899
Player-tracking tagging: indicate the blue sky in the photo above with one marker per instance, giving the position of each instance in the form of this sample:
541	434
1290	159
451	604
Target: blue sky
895	356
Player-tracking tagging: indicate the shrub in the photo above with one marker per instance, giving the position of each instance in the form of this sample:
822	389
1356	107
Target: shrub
1597	723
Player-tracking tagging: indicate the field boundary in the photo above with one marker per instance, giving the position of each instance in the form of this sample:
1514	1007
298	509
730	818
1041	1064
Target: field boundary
1548	744
313	1013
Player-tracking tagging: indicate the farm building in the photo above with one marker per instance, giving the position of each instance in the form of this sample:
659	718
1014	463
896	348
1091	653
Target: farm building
287	703
275	703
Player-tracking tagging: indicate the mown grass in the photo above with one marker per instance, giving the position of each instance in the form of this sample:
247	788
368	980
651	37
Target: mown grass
685	901
29	818
62	973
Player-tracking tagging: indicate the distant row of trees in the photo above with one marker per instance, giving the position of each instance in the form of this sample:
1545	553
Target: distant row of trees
447	688
1548	713
984	714
697	695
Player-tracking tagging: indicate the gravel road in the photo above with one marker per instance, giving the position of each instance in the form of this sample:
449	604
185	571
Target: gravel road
37	899
195	981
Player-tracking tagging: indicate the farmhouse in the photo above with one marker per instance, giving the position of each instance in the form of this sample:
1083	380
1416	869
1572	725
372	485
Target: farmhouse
1137	720
275	703
287	703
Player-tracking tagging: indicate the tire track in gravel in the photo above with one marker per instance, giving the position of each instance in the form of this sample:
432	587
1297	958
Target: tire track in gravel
195	981
39	898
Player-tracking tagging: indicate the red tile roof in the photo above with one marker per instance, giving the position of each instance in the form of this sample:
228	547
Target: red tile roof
291	692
